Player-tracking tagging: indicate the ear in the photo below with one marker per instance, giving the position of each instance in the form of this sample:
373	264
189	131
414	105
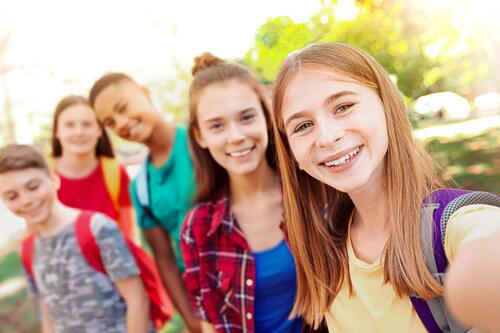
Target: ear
199	139
145	90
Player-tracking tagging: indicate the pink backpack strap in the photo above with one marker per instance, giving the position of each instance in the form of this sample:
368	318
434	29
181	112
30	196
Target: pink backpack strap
86	241
27	250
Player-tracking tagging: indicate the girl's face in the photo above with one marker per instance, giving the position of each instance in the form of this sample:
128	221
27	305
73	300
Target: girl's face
78	130
336	129
29	194
126	108
232	126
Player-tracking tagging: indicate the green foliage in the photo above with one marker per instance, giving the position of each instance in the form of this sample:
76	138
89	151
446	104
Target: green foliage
424	57
171	96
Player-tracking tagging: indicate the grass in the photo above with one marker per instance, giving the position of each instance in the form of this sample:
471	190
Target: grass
470	161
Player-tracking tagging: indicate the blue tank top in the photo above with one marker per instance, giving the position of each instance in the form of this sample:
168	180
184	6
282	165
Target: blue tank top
275	289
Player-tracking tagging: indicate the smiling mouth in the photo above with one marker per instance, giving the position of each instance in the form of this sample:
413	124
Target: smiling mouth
241	153
343	159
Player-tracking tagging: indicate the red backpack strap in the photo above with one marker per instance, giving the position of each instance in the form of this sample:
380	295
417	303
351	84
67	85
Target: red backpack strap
27	250
86	241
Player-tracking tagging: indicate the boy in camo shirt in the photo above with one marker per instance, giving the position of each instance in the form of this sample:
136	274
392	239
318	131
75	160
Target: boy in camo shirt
72	296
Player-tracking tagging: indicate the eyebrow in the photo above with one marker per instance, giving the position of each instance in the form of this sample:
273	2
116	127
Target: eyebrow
251	108
119	104
332	98
328	101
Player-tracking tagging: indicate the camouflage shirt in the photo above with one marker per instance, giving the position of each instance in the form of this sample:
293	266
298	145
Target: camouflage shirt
80	299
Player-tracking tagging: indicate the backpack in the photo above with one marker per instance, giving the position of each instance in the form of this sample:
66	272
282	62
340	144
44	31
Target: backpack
160	305
441	204
142	190
111	174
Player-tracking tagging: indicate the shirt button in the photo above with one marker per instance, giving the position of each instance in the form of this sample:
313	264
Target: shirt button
249	316
249	282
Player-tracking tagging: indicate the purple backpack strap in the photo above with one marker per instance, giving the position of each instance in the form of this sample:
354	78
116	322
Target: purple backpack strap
441	205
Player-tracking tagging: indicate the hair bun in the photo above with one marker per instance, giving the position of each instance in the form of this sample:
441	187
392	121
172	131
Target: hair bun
205	60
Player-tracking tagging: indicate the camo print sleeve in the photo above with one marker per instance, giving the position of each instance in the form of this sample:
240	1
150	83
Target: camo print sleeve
116	257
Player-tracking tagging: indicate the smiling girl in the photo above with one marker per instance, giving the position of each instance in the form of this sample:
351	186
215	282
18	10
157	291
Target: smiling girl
357	189
83	159
239	271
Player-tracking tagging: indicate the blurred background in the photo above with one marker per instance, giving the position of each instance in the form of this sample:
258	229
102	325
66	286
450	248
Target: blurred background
443	55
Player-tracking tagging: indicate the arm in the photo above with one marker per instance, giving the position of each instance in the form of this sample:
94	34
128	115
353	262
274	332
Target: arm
473	284
472	287
206	327
134	295
46	324
192	261
160	243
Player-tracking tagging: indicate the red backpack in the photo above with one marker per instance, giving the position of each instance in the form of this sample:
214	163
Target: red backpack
160	304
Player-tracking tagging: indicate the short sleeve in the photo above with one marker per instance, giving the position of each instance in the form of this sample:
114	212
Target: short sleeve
124	196
116	256
470	223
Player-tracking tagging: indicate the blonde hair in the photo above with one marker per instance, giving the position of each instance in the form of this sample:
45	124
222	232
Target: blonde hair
318	243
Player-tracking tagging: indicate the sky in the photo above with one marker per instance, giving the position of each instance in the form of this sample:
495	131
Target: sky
60	47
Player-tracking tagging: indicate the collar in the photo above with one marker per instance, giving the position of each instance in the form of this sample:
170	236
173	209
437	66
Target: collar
221	215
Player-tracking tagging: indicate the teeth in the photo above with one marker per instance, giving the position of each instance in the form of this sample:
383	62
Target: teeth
343	160
241	153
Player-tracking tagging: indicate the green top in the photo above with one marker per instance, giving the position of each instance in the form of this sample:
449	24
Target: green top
171	191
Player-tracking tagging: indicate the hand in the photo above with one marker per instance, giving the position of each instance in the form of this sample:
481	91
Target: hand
206	327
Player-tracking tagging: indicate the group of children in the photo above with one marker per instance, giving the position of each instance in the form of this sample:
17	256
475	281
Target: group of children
313	212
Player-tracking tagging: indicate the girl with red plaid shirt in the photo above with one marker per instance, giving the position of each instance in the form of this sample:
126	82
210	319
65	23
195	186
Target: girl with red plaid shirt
240	274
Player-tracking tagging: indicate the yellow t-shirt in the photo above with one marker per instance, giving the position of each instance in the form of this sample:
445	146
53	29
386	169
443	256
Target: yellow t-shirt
375	307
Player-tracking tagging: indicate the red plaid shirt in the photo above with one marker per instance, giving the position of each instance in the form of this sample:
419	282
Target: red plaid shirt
220	268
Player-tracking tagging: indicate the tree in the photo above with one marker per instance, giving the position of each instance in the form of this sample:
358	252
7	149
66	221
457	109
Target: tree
423	57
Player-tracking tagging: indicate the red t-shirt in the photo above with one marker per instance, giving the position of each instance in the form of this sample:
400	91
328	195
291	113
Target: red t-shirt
90	192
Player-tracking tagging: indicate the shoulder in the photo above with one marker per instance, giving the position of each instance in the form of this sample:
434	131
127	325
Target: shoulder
200	218
101	225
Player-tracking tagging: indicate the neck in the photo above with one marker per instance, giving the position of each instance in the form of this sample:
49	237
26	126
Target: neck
371	208
59	218
72	165
162	137
244	187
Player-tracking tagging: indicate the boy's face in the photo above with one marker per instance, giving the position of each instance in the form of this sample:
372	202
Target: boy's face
126	108
29	194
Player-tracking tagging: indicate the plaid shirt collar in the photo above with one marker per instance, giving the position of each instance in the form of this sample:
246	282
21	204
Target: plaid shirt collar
223	218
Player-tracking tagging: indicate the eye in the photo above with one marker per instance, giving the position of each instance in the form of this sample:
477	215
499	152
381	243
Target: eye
108	122
68	124
122	108
302	126
215	126
247	117
10	196
343	108
87	124
34	185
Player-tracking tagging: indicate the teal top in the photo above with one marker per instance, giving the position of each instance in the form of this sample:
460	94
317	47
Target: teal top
171	191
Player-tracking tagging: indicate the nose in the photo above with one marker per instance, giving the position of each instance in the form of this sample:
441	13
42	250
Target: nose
26	200
121	122
234	134
329	131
